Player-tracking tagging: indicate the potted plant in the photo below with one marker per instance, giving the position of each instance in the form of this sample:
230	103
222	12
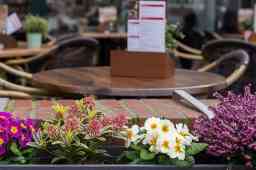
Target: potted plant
36	29
77	134
160	141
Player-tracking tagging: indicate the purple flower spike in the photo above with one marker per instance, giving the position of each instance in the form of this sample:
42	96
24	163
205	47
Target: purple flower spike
233	130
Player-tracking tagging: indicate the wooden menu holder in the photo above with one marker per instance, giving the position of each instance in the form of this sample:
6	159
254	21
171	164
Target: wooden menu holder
141	65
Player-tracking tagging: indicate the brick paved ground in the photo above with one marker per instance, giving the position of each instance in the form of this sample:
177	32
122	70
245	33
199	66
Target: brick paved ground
138	108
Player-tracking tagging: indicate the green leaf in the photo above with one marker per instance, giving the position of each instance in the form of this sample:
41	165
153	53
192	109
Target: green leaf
19	159
136	147
15	150
196	148
146	155
5	162
136	161
58	159
84	146
188	162
163	160
34	145
27	151
57	143
132	155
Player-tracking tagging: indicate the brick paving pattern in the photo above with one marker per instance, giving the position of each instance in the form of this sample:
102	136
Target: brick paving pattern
135	108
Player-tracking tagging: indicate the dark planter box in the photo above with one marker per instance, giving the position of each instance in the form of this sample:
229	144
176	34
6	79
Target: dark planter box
118	167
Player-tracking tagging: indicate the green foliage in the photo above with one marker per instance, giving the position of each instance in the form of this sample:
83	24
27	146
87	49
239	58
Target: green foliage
247	25
17	155
172	33
139	154
35	24
196	148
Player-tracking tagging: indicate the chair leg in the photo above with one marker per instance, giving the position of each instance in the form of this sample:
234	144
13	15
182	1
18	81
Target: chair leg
11	86
14	94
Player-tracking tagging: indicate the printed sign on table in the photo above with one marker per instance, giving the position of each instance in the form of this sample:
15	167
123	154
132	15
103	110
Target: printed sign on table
133	35
146	33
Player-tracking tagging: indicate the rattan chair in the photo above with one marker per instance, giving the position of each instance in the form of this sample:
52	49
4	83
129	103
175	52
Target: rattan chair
214	49
242	59
70	52
186	52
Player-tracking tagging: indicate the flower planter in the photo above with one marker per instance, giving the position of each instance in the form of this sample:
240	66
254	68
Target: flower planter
119	167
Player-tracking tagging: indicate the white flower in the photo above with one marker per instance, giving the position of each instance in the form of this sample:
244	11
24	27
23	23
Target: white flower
186	136
164	144
152	124
177	149
151	139
166	127
133	134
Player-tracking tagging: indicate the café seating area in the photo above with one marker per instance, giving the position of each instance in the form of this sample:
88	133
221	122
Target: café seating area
112	85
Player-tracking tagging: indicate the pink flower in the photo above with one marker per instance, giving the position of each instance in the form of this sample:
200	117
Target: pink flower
53	132
72	123
94	128
89	102
107	121
120	121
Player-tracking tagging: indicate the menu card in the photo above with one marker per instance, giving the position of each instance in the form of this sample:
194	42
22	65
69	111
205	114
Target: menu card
13	24
146	33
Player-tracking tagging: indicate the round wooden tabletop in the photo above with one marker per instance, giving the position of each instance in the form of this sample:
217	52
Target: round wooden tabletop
98	81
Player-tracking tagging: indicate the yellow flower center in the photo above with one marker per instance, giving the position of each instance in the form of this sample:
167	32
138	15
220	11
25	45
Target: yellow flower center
165	144
165	128
153	141
178	141
184	134
153	126
129	134
178	148
14	129
1	141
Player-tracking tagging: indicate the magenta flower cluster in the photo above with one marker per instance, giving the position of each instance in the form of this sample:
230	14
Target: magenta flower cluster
233	130
14	130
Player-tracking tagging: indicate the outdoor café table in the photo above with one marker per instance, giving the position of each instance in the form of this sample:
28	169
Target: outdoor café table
98	81
108	42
